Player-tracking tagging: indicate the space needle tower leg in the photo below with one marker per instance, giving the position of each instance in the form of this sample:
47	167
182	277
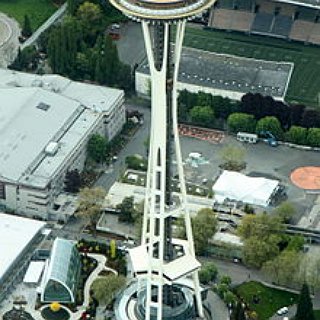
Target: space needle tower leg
154	224
184	209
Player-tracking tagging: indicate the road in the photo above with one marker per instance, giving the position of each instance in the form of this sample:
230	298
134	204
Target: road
134	146
57	15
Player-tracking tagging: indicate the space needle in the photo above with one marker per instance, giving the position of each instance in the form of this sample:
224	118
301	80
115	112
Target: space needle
165	267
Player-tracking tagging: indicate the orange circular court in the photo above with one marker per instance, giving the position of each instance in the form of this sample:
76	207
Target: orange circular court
307	178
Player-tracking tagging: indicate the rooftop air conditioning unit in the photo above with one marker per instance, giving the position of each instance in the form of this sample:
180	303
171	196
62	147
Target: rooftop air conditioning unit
52	148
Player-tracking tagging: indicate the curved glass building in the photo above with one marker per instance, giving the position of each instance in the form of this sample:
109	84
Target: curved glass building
62	273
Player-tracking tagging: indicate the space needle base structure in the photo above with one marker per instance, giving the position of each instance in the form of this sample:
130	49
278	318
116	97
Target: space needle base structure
165	268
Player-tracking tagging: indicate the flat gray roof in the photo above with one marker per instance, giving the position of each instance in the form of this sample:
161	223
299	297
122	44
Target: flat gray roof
26	129
232	73
37	110
97	98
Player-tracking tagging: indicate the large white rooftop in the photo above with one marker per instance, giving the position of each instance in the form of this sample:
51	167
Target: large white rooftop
37	111
15	234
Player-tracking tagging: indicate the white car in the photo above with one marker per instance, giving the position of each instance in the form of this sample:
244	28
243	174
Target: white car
282	311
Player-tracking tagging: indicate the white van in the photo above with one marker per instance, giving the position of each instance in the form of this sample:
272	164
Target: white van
247	137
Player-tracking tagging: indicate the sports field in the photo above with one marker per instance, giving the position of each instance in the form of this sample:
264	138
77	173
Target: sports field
37	10
305	82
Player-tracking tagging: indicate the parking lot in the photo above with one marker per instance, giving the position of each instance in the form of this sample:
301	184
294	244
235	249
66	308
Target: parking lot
261	159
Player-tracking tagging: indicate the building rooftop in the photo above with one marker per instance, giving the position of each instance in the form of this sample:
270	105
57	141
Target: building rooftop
43	120
97	98
227	72
15	235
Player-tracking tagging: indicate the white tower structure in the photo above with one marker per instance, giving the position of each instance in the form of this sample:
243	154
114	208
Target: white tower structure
163	264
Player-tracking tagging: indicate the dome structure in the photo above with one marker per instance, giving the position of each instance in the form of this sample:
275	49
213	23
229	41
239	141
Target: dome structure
62	273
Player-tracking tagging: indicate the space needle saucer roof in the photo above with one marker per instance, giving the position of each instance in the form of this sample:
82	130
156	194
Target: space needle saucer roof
162	10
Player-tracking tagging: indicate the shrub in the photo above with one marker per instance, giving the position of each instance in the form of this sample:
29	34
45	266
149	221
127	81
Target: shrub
241	122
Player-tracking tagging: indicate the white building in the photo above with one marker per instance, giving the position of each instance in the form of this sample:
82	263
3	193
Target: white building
17	235
45	123
236	186
224	75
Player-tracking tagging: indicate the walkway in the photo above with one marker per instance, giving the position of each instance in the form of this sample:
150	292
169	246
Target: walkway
36	314
57	15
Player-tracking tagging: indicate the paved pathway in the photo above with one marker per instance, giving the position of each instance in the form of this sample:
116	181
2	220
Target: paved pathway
57	15
36	314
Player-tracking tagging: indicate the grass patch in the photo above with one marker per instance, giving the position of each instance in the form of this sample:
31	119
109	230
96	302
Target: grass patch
37	10
317	314
270	300
305	82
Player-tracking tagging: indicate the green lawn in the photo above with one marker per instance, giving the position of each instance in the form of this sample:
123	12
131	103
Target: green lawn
37	10
271	299
305	83
317	314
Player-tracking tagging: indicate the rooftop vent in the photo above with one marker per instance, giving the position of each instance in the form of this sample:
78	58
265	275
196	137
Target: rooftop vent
43	106
52	148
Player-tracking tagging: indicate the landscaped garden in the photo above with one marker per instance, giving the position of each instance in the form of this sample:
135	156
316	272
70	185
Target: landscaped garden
265	301
38	11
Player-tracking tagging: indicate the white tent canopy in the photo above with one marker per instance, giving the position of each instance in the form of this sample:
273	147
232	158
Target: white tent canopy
236	186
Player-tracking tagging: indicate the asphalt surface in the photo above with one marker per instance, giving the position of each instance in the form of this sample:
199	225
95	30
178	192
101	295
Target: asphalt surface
135	146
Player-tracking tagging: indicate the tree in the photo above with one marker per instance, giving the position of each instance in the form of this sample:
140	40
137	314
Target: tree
72	6
232	156
208	273
63	43
113	249
72	182
252	104
296	114
304	307
90	202
284	268
296	135
90	16
270	124
202	115
97	147
257	251
313	138
204	226
285	211
105	288
261	236
242	122
310	118
223	107
26	29
127	210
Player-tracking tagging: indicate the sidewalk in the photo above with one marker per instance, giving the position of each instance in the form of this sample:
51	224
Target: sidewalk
36	314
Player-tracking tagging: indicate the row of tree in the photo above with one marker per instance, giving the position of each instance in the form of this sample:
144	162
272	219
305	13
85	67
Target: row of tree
245	122
80	49
203	109
279	255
